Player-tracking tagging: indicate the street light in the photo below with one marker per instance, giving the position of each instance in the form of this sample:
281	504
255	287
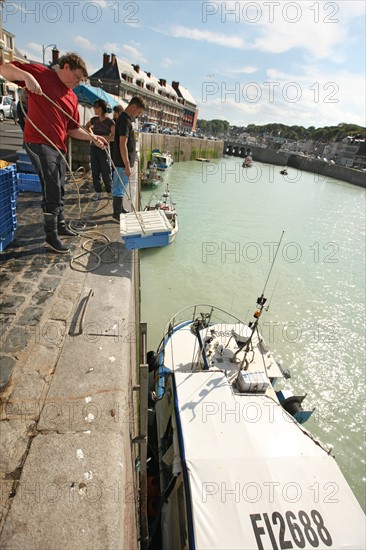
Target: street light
44	48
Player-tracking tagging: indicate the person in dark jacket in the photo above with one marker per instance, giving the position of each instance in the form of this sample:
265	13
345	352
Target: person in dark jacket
124	153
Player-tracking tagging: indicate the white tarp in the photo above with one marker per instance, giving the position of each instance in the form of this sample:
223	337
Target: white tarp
257	479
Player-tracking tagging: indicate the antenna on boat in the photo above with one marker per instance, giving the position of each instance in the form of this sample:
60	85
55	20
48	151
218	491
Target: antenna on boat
257	314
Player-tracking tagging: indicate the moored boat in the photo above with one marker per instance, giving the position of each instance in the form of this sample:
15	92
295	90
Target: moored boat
163	161
165	204
231	465
150	177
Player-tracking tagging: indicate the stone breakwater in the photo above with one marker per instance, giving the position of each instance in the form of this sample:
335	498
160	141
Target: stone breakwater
316	166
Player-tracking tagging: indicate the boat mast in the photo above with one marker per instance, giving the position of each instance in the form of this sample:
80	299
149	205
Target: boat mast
257	314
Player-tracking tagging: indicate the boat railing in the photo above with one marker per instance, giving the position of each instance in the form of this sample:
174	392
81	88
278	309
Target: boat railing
194	312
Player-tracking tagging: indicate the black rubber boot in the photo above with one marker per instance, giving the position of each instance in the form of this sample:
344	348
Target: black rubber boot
117	208
63	228
52	240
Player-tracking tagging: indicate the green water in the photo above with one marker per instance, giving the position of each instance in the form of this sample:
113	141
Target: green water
230	220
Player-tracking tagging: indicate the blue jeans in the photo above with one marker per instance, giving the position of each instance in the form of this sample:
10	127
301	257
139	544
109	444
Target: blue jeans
118	190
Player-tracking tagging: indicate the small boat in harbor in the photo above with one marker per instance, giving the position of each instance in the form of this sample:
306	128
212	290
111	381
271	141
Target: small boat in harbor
165	204
163	161
230	464
150	177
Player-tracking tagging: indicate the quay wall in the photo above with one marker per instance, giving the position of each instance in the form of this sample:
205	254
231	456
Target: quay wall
181	148
316	166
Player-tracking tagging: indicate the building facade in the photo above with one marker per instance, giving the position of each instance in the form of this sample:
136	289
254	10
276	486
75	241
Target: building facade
8	52
170	106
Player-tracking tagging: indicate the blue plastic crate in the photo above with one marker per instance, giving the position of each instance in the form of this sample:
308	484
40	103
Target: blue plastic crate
133	242
6	207
8	222
8	177
25	166
23	155
29	182
6	239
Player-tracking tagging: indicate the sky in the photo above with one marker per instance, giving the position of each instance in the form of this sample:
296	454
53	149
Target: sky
248	62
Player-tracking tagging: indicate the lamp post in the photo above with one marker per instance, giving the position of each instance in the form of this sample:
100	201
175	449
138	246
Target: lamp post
44	48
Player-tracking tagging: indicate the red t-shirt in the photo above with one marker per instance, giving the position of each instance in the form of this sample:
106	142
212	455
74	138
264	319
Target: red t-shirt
52	122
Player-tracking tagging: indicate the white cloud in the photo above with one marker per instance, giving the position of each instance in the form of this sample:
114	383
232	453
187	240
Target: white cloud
111	47
313	97
131	54
84	43
35	47
166	62
207	36
244	70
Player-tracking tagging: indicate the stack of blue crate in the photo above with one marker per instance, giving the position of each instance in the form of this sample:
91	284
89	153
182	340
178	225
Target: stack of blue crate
8	204
28	180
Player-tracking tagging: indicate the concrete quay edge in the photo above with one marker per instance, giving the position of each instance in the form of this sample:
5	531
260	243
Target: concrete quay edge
68	411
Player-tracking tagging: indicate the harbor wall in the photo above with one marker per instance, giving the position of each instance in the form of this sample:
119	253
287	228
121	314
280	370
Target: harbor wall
181	148
316	166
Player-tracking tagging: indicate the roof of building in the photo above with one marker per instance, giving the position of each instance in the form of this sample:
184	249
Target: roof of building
116	67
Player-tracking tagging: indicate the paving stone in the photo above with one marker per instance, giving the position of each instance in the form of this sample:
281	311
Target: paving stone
50	283
11	304
42	359
61	310
5	279
33	274
57	269
14	436
39	298
7	365
17	339
22	288
28	396
31	316
70	292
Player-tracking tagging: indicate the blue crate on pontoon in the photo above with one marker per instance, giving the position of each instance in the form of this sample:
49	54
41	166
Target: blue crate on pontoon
6	239
25	166
29	182
8	222
146	229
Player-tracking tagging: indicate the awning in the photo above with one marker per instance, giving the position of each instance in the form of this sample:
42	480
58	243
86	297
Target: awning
87	95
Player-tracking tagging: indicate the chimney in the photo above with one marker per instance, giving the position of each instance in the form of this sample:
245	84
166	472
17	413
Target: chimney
113	59
148	74
136	67
175	85
162	82
106	59
55	55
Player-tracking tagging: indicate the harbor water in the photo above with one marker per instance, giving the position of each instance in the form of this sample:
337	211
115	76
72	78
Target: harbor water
231	220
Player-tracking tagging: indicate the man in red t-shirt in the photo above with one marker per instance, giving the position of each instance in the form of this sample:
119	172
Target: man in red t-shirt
46	130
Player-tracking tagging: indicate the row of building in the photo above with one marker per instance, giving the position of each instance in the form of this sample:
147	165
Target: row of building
349	151
170	106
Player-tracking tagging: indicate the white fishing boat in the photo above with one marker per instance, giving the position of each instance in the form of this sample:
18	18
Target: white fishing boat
150	177
163	161
231	465
165	204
